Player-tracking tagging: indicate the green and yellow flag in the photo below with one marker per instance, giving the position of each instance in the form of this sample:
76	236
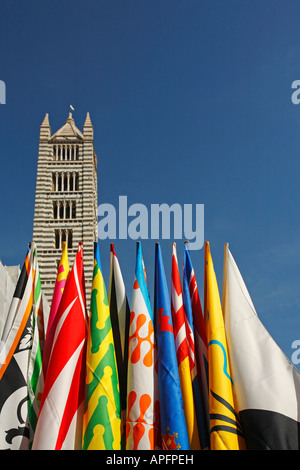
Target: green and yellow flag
102	417
225	427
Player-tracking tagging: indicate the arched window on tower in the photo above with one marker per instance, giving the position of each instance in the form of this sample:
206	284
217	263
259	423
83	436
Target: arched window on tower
64	210
74	210
70	239
55	214
59	182
71	183
61	210
76	152
68	212
64	235
57	239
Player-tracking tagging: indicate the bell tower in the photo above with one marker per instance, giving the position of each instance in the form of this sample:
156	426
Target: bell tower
65	198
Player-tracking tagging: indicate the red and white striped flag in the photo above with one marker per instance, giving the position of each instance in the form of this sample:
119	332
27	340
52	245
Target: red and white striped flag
197	340
59	424
61	279
182	352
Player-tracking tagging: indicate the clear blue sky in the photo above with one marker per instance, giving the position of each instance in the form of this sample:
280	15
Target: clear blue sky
190	102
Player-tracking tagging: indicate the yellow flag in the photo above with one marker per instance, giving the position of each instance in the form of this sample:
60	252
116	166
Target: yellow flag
102	417
225	428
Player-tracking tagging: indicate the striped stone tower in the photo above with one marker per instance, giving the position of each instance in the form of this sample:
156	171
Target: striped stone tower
65	198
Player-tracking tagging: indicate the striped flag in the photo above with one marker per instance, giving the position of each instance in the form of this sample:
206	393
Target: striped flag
102	417
197	341
142	420
225	427
20	359
61	279
59	424
173	424
120	317
182	351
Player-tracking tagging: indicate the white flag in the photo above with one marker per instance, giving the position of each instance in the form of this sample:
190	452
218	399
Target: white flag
266	384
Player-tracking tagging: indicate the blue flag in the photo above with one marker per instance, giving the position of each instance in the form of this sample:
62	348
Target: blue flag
173	425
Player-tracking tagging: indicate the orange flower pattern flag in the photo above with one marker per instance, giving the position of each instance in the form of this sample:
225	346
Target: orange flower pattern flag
142	421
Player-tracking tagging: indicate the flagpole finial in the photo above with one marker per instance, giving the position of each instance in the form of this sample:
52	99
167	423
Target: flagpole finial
112	248
70	110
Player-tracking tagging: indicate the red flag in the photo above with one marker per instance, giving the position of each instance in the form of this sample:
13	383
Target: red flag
59	423
182	352
61	279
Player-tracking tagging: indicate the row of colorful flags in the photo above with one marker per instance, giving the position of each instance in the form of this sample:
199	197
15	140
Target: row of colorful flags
174	377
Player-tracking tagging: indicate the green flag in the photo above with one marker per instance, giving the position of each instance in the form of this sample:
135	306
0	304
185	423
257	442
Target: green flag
102	417
35	377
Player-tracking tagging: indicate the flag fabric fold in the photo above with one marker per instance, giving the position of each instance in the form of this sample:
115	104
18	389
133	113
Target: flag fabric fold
182	352
59	424
225	428
142	416
61	279
197	343
35	374
120	317
102	417
267	384
21	379
132	379
173	425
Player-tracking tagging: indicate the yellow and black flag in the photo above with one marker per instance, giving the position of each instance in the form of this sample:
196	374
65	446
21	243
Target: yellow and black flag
225	428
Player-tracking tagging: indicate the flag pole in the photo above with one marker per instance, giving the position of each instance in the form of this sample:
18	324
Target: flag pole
225	261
